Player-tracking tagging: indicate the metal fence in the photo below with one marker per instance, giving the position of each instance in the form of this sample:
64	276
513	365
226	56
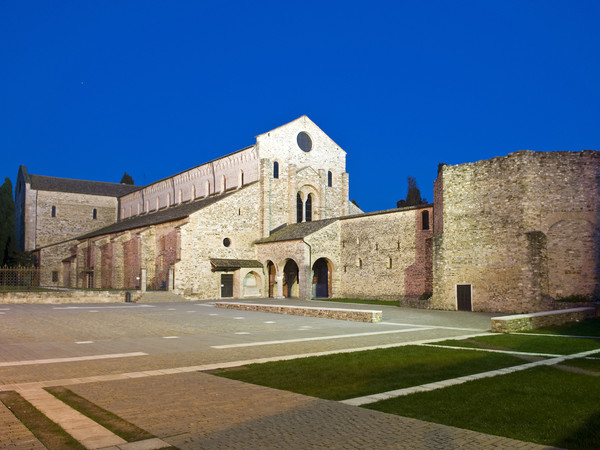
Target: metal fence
19	278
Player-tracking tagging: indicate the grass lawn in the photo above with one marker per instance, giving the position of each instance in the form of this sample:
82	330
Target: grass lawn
348	375
524	343
544	405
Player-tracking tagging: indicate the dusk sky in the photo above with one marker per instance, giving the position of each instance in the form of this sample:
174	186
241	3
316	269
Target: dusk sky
91	89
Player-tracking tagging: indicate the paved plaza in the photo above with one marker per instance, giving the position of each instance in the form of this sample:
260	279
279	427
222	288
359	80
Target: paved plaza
145	362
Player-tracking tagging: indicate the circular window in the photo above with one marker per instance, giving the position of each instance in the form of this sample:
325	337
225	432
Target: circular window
226	242
304	142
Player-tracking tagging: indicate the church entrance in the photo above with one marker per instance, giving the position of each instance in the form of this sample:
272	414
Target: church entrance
290	280
322	278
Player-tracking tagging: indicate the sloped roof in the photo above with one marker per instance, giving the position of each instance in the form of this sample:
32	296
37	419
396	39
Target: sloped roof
297	231
162	216
233	264
54	184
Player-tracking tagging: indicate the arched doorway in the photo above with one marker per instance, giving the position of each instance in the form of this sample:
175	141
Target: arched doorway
251	285
272	278
290	279
322	278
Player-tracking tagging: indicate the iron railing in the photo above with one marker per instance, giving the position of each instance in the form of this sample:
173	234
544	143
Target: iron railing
19	278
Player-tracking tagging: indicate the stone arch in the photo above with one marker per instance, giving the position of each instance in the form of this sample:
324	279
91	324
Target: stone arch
251	285
308	204
291	286
573	252
271	279
322	276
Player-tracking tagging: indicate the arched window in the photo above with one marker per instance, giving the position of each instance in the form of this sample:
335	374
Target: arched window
329	179
53	213
94	214
275	169
425	220
308	207
299	208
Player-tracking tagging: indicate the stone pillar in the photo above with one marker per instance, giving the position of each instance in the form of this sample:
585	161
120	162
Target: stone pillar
279	293
171	280
143	281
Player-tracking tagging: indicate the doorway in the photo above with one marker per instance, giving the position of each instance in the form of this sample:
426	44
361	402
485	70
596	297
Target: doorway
226	285
463	297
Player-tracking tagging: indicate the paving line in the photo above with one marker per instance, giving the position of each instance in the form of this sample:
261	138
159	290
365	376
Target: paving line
71	359
103	307
207	367
317	338
510	352
359	401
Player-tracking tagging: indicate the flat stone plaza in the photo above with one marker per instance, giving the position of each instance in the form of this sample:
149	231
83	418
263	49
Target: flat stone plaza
146	363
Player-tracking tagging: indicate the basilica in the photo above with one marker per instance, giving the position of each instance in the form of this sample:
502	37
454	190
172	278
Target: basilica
517	233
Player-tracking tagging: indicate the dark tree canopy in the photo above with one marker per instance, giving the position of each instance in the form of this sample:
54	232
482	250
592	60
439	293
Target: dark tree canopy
413	196
8	238
127	179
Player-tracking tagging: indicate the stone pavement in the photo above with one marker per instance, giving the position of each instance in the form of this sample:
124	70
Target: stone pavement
142	363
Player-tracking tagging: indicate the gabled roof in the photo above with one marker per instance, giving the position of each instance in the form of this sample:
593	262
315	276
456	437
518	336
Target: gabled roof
162	216
54	184
297	231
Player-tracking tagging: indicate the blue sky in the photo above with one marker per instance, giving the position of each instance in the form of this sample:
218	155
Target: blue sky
90	89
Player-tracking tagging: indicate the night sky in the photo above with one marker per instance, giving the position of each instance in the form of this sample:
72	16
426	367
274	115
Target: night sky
91	89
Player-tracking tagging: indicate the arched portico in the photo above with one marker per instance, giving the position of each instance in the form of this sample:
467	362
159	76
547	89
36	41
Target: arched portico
271	279
321	282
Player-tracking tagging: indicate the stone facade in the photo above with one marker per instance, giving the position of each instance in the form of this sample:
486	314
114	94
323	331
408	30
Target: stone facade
510	234
519	231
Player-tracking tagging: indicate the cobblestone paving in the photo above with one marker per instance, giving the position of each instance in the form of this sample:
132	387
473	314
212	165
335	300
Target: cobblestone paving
197	410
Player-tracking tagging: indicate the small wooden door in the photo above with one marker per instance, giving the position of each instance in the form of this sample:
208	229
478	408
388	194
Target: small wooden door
463	297
226	285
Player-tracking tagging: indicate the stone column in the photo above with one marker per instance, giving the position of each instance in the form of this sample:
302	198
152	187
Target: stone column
279	293
143	281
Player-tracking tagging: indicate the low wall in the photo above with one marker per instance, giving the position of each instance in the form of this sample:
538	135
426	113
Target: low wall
355	315
522	322
68	296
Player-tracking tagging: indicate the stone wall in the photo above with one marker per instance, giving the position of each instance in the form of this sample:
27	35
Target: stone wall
234	217
523	322
385	255
70	296
521	230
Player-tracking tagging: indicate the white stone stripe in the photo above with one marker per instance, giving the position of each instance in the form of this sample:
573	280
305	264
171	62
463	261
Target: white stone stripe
221	365
358	401
72	359
82	428
103	307
510	352
558	335
317	338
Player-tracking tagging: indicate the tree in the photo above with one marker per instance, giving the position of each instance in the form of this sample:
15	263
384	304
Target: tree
413	196
127	179
8	237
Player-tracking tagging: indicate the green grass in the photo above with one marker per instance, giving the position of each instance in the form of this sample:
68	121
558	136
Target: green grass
108	420
47	432
543	405
360	301
348	375
532	344
584	363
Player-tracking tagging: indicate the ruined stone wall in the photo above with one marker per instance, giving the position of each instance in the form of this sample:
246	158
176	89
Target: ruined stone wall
385	255
234	217
520	229
73	215
201	181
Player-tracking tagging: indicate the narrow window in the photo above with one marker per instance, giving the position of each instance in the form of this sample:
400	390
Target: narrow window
241	178
308	213
275	169
94	214
359	263
389	262
299	207
425	220
53	211
376	246
329	179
